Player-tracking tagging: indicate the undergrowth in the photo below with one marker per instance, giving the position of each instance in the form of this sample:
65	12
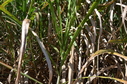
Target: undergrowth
69	41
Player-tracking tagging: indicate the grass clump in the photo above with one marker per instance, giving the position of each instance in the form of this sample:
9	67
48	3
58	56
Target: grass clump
69	41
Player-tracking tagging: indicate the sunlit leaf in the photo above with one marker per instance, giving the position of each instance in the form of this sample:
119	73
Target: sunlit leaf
118	41
6	2
107	51
117	79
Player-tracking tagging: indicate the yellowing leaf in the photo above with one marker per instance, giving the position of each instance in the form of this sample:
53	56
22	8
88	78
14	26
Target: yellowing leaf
6	2
118	41
107	51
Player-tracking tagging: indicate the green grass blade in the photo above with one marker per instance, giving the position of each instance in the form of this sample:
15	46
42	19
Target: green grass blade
94	5
9	14
6	2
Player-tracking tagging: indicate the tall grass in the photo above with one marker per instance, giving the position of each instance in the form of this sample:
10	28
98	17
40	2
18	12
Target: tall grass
75	35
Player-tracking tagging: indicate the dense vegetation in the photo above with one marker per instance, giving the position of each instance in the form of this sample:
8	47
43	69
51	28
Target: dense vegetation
69	41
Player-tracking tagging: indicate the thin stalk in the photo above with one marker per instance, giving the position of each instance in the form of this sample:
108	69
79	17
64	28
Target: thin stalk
58	79
29	10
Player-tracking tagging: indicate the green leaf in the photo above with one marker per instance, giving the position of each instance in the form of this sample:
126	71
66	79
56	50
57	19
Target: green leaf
79	28
6	2
9	14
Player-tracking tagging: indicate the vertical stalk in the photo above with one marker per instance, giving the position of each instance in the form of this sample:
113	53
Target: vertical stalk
58	79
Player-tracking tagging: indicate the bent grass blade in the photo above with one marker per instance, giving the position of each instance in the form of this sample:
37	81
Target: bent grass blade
25	27
45	54
99	52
